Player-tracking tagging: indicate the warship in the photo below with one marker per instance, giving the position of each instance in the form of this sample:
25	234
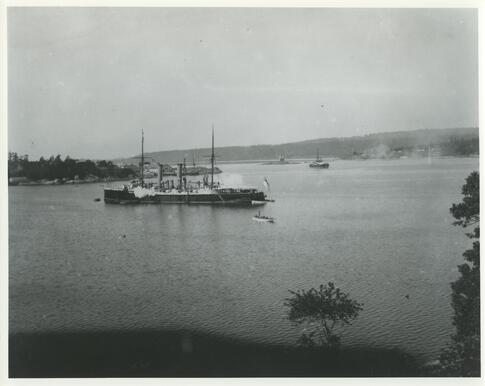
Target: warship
183	191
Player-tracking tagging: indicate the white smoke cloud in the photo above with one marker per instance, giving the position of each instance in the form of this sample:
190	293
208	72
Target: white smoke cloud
233	180
140	192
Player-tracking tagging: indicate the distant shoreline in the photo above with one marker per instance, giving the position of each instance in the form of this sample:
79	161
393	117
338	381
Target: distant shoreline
290	161
28	182
294	161
414	143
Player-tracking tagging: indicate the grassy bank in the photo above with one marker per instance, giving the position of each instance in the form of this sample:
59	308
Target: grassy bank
189	354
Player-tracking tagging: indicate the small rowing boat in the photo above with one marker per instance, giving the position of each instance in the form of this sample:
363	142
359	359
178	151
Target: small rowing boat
261	218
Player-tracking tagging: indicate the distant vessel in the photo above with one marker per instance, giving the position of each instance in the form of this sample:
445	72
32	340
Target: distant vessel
261	218
184	192
318	163
281	161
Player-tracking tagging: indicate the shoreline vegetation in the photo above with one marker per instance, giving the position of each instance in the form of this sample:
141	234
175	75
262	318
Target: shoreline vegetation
56	171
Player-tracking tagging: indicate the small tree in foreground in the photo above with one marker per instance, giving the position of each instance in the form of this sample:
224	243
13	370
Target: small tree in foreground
462	356
321	311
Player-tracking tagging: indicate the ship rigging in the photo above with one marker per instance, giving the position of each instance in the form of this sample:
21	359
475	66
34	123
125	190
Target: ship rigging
185	192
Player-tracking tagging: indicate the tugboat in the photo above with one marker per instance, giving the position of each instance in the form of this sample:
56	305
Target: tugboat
318	163
261	218
184	192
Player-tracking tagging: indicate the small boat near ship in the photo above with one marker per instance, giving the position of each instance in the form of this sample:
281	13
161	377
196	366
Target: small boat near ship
183	191
262	218
319	163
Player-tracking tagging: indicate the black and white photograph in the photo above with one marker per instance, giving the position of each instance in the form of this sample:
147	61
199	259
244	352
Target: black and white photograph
241	191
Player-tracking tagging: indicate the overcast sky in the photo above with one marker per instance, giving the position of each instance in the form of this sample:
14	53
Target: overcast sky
85	81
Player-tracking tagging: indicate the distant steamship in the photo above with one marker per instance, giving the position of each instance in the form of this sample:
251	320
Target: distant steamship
182	192
319	163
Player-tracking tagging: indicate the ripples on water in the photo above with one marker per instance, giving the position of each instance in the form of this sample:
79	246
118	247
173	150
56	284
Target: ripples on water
378	229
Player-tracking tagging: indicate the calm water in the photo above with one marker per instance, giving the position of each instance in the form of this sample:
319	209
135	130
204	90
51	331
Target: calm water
378	229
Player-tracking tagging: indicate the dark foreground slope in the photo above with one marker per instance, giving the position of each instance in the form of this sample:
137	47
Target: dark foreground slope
188	354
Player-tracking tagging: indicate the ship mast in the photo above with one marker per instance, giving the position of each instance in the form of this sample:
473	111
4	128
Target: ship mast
142	158
212	159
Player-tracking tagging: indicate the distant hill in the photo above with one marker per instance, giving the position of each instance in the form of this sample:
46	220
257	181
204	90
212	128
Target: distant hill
444	142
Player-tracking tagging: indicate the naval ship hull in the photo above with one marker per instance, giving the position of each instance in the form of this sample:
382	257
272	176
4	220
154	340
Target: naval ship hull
127	196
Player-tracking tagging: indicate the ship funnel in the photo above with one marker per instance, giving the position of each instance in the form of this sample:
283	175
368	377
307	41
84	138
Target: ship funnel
160	175
180	175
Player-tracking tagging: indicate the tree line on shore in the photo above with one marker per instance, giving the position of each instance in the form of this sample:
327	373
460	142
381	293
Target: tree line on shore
63	169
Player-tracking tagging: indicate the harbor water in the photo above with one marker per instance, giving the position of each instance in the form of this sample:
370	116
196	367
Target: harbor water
380	230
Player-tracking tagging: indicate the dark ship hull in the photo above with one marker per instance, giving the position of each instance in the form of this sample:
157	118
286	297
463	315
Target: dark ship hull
185	192
207	196
319	165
